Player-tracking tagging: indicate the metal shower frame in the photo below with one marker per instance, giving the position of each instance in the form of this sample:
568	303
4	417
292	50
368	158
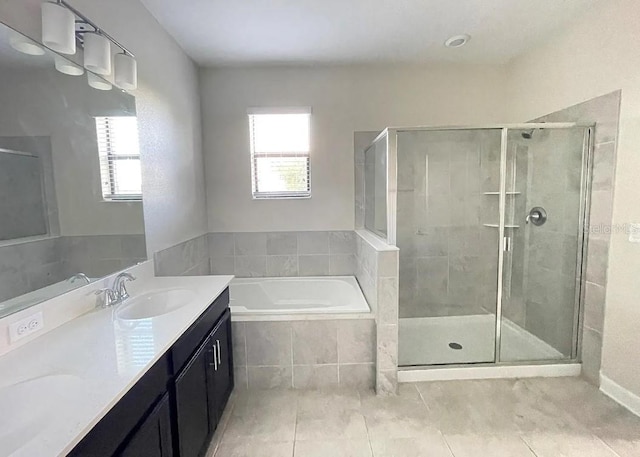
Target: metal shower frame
391	134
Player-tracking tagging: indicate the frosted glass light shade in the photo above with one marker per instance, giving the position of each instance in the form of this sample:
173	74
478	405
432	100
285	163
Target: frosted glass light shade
97	53
25	45
58	28
97	82
66	67
126	72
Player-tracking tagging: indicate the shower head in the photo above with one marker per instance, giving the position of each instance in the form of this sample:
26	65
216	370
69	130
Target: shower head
528	134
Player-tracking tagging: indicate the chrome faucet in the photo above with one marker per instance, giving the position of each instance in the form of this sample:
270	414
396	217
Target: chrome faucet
78	276
119	285
117	294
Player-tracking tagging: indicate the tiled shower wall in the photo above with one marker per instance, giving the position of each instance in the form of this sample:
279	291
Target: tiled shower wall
604	111
31	265
265	254
448	258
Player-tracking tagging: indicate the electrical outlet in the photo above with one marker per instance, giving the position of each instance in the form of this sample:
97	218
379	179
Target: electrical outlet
25	327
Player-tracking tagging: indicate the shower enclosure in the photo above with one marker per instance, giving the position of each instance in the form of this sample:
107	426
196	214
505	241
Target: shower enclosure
490	223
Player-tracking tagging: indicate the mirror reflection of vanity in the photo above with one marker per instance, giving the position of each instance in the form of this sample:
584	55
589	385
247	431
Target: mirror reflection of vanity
70	181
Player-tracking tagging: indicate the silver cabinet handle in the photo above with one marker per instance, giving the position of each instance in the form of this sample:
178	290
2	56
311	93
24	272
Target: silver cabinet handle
215	359
218	351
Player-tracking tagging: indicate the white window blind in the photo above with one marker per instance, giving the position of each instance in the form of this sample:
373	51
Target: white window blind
280	147
119	152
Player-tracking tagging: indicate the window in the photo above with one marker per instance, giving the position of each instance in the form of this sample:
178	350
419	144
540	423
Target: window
119	153
280	153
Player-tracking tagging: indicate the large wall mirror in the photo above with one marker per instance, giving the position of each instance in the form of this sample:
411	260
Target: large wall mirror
70	182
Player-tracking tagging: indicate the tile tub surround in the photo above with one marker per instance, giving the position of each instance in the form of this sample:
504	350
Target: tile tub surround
604	111
269	254
304	354
377	274
484	418
103	367
189	258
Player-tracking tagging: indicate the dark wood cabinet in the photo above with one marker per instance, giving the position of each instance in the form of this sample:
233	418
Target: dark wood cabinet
192	413
153	437
220	375
174	408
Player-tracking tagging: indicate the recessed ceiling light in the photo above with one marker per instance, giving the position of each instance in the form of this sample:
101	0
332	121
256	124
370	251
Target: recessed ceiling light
457	41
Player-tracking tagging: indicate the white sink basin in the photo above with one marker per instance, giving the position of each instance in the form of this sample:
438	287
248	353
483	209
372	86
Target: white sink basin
31	406
154	304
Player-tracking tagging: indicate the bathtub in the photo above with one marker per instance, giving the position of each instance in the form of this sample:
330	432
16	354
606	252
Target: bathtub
297	295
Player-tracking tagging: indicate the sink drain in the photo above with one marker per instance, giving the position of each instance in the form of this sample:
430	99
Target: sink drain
456	346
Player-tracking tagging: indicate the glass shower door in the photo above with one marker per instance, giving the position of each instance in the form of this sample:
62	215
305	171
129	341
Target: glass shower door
447	230
544	213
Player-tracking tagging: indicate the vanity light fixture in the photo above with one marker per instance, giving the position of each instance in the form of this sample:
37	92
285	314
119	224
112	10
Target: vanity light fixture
25	45
58	28
67	67
97	53
126	71
97	82
63	26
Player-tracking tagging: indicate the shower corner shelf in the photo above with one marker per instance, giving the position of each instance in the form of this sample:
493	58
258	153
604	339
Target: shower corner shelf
498	193
497	226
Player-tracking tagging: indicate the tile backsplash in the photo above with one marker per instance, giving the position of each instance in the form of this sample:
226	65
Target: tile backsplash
265	254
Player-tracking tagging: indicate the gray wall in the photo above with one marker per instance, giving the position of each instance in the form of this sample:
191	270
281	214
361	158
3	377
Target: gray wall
190	258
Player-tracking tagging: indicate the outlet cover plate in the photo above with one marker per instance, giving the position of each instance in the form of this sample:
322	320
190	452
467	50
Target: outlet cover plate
26	326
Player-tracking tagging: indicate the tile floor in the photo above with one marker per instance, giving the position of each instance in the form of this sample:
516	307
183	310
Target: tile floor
495	418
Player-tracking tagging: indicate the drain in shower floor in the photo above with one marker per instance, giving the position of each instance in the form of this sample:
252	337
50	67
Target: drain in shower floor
456	346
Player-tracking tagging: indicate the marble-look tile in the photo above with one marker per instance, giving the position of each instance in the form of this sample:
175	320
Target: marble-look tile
313	265
250	266
603	166
490	445
594	301
265	427
221	244
315	342
343	242
356	341
241	378
282	243
282	265
591	355
600	215
223	265
315	376
388	300
333	448
387	264
342	264
597	261
387	347
252	244
313	243
330	414
238	331
567	445
358	375
432	444
268	343
270	377
387	382
255	449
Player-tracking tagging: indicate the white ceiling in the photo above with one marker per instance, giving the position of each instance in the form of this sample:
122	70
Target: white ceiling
218	32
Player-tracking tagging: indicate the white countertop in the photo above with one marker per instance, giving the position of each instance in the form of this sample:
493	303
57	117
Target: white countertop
72	376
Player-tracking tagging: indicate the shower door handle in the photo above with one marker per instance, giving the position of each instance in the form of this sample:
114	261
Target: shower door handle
537	216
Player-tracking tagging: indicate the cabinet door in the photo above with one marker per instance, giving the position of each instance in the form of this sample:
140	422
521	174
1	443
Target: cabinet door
191	403
220	376
153	437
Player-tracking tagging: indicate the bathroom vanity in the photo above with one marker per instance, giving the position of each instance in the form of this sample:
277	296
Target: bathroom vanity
149	377
178	403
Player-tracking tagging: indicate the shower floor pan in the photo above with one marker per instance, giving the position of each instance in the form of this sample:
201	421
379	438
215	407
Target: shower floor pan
466	339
